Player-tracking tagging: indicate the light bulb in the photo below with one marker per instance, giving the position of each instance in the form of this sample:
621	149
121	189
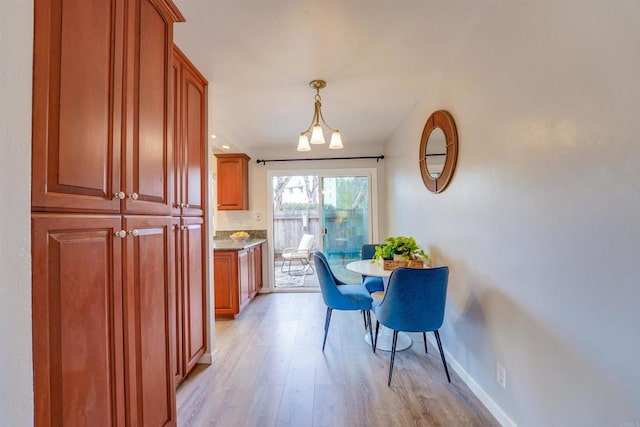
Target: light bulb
336	141
316	135
303	143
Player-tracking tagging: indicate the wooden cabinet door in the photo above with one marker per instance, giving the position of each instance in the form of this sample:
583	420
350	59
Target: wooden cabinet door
193	136
176	300
233	181
225	283
194	291
147	274
77	105
148	147
176	136
77	320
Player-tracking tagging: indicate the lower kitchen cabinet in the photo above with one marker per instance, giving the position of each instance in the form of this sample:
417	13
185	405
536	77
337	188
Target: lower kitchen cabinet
237	278
189	294
101	319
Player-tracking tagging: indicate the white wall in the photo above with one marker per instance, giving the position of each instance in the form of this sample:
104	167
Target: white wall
16	383
541	223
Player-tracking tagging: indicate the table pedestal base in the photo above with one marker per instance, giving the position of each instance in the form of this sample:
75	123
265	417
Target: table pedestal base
385	339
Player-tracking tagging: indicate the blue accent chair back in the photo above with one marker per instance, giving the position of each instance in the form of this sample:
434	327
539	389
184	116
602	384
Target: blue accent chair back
373	284
414	301
368	250
338	295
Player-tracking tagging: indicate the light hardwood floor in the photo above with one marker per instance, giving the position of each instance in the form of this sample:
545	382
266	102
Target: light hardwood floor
270	371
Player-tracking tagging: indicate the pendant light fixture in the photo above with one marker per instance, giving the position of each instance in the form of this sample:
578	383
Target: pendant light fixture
315	128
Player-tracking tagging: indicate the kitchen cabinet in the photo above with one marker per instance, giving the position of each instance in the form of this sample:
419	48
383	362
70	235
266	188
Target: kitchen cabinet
188	323
189	149
101	317
101	106
237	278
190	136
102	177
233	181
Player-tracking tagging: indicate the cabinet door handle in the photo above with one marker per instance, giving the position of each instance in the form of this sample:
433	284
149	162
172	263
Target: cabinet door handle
182	205
182	227
134	233
119	195
120	233
133	196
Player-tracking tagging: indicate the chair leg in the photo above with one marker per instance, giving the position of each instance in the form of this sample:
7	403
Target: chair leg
375	341
309	267
282	266
424	337
370	329
393	356
364	317
327	320
444	362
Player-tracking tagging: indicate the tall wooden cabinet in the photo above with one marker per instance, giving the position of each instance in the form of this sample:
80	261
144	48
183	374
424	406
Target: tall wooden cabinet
102	193
189	143
190	135
101	117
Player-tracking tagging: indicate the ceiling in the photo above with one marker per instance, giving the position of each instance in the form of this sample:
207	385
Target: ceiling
379	58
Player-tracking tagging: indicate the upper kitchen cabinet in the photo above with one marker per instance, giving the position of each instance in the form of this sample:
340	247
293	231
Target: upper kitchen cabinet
101	106
189	136
233	181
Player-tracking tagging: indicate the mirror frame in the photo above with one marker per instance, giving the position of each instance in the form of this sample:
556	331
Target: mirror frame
443	120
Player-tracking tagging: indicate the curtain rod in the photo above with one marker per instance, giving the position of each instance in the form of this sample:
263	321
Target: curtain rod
378	158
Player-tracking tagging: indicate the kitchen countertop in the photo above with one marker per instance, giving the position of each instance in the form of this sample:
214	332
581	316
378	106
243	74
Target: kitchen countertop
232	245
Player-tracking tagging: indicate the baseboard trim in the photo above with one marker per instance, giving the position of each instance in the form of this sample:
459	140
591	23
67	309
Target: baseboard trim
475	388
208	358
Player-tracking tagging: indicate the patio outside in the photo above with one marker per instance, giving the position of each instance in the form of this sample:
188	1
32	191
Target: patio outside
339	226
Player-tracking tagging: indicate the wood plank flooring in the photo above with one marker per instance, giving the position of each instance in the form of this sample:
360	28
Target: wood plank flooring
270	371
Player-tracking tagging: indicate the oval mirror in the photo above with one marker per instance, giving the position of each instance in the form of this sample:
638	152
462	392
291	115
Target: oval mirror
438	151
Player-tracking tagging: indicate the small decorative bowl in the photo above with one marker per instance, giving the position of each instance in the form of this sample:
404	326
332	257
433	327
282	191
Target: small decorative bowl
239	239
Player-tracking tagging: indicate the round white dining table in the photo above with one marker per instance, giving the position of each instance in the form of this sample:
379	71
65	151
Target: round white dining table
385	335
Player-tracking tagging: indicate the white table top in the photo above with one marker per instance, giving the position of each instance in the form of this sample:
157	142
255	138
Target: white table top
368	268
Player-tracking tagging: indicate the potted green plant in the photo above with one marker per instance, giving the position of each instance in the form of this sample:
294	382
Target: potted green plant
399	248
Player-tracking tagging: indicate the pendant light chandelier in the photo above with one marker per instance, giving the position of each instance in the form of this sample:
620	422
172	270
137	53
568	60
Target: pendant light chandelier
315	128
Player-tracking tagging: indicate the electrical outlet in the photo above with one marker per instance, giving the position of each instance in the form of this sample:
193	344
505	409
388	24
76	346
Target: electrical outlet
501	376
258	216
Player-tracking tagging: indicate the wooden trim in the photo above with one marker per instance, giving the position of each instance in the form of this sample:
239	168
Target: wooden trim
186	60
170	9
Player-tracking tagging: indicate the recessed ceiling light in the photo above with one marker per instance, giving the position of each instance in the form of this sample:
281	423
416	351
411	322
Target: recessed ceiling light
225	147
213	136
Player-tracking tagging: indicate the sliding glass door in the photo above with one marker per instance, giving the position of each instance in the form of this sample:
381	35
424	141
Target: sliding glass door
332	206
345	219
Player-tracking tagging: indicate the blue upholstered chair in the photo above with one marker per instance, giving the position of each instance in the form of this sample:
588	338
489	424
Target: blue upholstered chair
373	284
413	302
338	295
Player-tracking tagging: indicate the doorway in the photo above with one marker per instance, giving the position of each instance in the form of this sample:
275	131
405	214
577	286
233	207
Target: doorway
336	208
